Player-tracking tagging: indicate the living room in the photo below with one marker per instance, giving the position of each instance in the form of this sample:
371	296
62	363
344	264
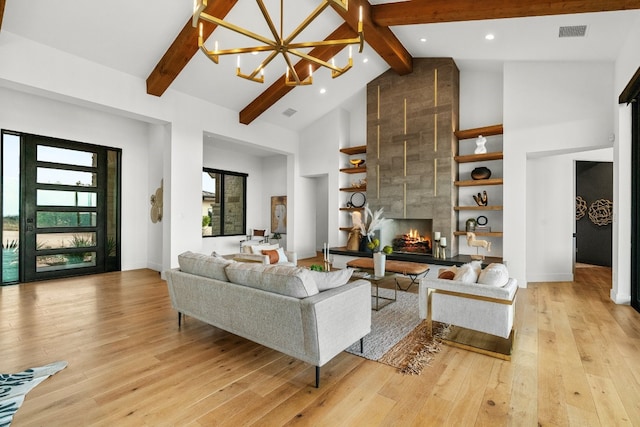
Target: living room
554	113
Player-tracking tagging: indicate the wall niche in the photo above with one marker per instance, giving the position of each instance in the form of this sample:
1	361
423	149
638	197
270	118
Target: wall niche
411	144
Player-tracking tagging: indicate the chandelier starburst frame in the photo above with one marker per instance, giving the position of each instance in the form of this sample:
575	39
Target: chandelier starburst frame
279	44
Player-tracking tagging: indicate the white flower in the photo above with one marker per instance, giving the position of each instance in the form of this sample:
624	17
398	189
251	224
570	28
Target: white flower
372	222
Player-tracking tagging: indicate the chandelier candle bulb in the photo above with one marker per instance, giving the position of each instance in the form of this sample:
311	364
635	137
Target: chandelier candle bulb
360	15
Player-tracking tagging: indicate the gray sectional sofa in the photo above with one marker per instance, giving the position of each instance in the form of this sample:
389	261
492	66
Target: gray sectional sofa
280	307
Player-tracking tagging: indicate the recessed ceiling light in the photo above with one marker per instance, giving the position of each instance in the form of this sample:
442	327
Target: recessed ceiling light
489	36
423	40
365	60
323	90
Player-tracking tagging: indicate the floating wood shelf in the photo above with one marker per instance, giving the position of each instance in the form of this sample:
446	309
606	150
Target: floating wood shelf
360	149
478	182
354	170
479	157
477	208
346	228
354	189
351	209
480	233
484	131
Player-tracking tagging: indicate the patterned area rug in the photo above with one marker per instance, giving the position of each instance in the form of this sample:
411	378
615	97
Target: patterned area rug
14	387
399	338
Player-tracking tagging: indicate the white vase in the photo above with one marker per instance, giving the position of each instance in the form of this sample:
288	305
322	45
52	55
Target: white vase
379	260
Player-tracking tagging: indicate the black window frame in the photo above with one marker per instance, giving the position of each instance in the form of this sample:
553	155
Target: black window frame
222	198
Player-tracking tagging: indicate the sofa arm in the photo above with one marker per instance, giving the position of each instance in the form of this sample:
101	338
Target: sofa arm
335	319
292	257
242	257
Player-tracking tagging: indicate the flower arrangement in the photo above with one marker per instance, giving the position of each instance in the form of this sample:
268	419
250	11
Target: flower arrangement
370	224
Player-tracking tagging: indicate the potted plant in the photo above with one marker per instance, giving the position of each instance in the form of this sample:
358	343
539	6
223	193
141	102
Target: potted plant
371	223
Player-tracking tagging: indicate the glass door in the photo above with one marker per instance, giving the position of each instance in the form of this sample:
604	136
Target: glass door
63	208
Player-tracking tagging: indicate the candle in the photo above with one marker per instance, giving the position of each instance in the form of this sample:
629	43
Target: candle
360	14
443	242
436	236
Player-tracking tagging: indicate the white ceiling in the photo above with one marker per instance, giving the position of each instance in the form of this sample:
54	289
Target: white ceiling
126	36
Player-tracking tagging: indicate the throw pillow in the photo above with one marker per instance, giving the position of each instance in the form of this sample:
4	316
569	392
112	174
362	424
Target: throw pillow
331	279
495	274
273	255
281	279
204	265
447	274
468	273
282	257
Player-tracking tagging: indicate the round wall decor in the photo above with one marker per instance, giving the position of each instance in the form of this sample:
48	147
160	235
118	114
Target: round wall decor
601	212
581	207
357	200
482	220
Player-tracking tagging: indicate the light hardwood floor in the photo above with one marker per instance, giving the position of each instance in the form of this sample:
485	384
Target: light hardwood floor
576	362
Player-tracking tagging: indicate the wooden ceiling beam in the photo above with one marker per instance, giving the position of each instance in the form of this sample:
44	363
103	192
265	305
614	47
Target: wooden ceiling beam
183	48
380	38
434	11
2	3
279	89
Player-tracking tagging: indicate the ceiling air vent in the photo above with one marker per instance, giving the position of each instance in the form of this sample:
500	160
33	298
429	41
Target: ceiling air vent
573	31
289	112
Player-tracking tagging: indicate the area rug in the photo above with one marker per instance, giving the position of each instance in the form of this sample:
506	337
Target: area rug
14	387
399	338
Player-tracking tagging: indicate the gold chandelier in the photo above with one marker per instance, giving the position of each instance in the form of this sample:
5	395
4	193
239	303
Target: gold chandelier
279	44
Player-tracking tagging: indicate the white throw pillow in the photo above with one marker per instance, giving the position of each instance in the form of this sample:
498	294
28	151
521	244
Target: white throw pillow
468	273
494	274
331	279
282	257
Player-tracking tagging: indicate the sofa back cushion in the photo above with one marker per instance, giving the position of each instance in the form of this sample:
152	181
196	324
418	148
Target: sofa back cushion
204	265
281	279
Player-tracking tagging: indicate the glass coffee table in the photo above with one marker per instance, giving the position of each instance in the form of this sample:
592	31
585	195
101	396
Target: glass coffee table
379	301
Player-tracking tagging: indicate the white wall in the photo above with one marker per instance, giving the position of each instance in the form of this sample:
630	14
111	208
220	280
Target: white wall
27	113
320	145
551	196
91	102
549	107
626	65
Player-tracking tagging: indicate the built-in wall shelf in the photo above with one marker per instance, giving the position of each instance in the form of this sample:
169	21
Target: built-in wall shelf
476	132
480	233
479	157
478	208
351	209
476	182
354	170
354	189
360	149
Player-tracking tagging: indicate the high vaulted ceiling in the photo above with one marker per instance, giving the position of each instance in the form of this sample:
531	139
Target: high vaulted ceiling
155	42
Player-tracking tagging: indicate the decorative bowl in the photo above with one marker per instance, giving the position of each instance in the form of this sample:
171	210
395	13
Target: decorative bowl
481	173
356	162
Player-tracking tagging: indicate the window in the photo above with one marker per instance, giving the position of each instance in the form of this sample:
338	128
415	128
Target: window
224	196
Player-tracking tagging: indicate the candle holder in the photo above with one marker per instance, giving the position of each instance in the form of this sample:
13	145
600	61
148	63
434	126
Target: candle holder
443	250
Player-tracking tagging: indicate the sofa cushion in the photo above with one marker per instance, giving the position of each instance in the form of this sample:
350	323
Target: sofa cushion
281	279
326	280
204	265
495	274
